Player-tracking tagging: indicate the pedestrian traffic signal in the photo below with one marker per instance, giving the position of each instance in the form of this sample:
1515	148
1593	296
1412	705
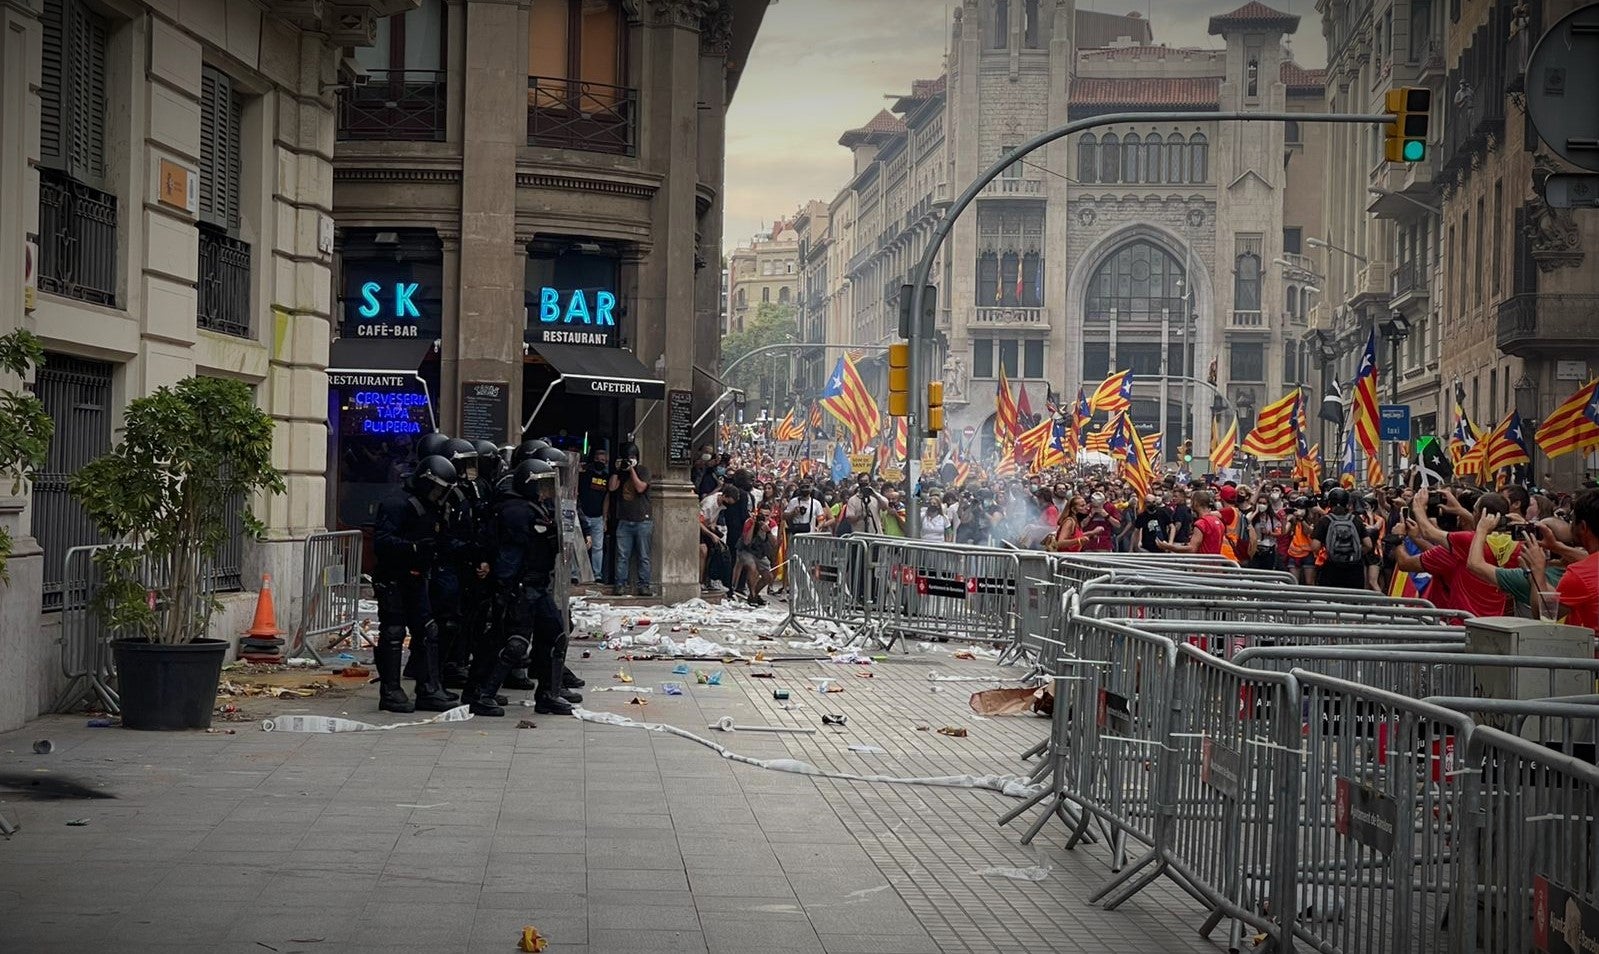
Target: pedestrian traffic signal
1187	452
935	408
899	380
1405	139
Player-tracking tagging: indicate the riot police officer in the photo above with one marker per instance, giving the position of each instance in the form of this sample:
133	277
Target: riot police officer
459	564
525	547
408	524
569	680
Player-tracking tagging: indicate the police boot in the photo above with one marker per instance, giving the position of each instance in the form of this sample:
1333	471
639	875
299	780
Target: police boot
391	698
430	696
551	699
519	679
483	698
570	680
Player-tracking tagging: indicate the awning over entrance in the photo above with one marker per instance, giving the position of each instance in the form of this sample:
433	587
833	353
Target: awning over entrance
378	354
603	372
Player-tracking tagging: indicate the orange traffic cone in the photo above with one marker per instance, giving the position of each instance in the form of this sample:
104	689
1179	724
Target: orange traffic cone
262	643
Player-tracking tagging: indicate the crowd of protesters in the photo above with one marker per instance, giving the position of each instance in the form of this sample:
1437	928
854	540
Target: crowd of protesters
1491	552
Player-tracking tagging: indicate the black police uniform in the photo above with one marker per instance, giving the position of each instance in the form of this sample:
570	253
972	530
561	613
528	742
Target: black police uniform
526	544
404	542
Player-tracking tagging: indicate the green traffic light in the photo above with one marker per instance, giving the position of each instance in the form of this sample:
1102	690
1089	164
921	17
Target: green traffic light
1415	150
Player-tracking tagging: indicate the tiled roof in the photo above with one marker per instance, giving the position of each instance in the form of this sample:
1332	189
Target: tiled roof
1253	14
1300	80
884	123
923	89
1101	95
1150	53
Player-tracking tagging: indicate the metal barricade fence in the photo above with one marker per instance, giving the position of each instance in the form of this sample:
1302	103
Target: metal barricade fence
1413	672
330	590
1229	639
1568	724
1529	877
933	590
1375	851
828	580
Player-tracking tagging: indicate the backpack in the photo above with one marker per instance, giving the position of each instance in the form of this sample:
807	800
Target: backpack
1343	539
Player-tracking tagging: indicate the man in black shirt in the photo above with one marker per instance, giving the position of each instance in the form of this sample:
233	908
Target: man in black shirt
1346	540
1181	516
635	524
593	495
1152	526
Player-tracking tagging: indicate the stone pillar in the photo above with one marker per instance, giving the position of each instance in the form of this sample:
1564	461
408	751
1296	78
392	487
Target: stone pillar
450	338
671	73
488	339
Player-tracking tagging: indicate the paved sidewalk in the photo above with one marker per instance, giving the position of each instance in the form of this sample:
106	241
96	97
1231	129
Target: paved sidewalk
609	840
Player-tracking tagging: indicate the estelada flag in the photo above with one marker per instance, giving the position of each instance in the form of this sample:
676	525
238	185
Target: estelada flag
1574	425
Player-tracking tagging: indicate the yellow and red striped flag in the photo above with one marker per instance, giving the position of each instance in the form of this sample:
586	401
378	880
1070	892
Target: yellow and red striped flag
1574	425
1276	432
1114	394
789	428
847	399
1223	444
1006	415
1507	445
902	438
1366	423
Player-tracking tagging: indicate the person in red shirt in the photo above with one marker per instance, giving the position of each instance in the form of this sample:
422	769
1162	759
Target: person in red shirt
1579	588
1447	562
1207	534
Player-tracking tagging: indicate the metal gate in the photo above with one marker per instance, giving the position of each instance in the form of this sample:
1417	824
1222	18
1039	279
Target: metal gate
77	395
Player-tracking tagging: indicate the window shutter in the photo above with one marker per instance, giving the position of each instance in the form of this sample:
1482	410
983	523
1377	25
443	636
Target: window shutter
210	83
235	167
85	94
52	150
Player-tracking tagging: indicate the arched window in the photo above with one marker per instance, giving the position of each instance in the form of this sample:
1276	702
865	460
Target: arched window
766	294
743	298
1110	158
1152	158
1010	279
1246	282
1138	281
1176	158
1130	158
1293	299
1088	159
782	295
999	29
1198	158
987	280
1032	281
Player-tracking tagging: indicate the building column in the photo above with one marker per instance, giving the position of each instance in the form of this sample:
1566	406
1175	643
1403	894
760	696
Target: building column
490	272
667	282
450	336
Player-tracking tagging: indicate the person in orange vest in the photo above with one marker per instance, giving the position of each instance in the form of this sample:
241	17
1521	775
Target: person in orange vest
1299	560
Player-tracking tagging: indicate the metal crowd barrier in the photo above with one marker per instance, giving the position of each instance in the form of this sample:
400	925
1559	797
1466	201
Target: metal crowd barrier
938	591
1568	724
1417	672
828	582
330	591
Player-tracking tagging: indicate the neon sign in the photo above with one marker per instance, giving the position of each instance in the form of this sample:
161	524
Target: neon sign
392	413
576	310
388	310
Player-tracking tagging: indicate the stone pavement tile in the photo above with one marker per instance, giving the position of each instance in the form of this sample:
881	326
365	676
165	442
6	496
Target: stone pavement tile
239	881
563	927
513	840
747	859
348	862
915	943
444	840
639	917
613	941
750	907
353	841
809	857
177	921
735	934
622	853
383	922
739	885
281	926
641	879
825	832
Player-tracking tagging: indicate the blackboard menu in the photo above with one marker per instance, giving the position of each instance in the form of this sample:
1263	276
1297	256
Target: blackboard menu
485	410
680	427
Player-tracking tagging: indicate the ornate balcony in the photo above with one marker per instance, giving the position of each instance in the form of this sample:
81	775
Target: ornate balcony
394	106
77	240
1534	325
1013	187
592	117
1012	315
1409	284
1247	321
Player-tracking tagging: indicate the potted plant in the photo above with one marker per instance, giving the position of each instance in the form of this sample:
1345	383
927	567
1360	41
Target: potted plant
25	425
189	454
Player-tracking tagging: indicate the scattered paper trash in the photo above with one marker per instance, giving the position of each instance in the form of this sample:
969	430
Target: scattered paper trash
43	747
325	724
1031	873
672	688
828	719
532	941
867	750
1017	701
954	732
965	654
714	679
525	724
638	701
77	822
633	689
221	731
622	676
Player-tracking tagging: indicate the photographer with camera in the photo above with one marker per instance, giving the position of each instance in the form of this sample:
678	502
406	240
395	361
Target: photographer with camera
1299	558
863	509
635	526
1453	586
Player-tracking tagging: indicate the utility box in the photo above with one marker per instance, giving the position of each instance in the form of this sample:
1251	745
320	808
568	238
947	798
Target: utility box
1514	636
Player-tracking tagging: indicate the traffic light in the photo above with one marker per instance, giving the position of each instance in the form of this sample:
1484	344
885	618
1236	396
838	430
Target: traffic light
899	379
935	407
1405	139
1187	452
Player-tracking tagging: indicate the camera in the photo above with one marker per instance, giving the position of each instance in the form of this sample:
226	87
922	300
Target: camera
1522	531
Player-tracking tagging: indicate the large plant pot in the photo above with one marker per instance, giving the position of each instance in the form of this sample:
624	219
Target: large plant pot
168	687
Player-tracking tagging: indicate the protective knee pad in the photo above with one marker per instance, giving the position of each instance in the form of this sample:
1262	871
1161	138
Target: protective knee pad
516	652
391	636
430	633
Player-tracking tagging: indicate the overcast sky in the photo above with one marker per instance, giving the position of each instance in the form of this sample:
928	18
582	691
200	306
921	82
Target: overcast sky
820	67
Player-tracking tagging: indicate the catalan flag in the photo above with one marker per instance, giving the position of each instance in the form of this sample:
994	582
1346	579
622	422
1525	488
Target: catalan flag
1507	445
1152	446
1276	432
1100	441
789	428
1308	465
1346	467
1128	450
1374	471
1114	394
1053	453
1367	426
1006	416
847	399
1032	440
1464	437
1574	425
816	417
902	438
1082	413
1224	444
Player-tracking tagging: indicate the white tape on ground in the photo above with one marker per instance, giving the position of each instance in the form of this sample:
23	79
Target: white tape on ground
1015	786
322	724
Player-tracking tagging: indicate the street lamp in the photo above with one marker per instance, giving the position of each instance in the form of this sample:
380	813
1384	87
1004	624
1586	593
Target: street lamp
1396	329
1314	242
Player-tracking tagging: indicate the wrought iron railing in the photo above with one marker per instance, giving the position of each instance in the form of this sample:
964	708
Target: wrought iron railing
395	105
226	568
224	287
593	117
1409	279
77	395
1012	315
77	239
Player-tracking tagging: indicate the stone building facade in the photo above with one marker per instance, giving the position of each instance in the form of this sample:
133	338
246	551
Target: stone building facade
166	176
1150	246
766	271
543	181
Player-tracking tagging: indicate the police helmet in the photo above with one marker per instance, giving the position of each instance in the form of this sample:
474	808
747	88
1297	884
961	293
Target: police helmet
553	455
463	454
526	451
433	478
1338	497
1328	484
435	444
532	478
488	460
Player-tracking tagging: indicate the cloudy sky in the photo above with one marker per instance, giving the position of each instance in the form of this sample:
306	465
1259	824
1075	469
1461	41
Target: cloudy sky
820	67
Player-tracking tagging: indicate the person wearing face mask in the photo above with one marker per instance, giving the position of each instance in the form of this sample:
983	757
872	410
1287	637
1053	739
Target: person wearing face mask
1268	524
593	507
1069	535
1099	525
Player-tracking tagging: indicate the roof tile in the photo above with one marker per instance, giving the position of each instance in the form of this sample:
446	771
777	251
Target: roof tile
1254	13
1179	92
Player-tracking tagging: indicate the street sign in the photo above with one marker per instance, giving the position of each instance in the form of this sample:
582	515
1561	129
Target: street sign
1572	190
1394	422
1562	74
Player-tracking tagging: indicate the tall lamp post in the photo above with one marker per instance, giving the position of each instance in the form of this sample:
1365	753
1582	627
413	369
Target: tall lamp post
1396	329
1327	354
